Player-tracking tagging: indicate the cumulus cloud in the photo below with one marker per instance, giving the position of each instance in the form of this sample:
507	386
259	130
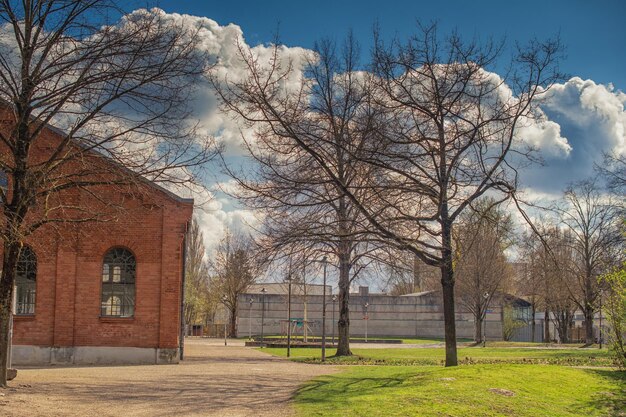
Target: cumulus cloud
591	120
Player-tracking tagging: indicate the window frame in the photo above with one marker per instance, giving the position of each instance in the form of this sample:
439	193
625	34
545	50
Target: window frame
24	284
124	288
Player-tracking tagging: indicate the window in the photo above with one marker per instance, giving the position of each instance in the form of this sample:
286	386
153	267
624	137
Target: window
25	282
4	182
118	283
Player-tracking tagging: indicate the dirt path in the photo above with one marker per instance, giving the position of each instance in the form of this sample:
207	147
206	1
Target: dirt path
213	381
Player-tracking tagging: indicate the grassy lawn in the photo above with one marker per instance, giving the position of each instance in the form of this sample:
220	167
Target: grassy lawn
470	355
478	390
411	341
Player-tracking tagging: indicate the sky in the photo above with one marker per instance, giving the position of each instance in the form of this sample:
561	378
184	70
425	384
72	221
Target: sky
585	114
594	32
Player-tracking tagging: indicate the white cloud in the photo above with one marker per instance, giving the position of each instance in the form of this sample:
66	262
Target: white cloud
591	120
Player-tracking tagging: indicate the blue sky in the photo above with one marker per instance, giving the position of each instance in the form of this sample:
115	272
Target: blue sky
594	32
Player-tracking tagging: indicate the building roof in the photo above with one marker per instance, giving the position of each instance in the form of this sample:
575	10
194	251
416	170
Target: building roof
143	179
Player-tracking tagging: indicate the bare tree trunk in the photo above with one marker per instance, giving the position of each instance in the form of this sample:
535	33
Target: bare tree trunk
447	283
9	265
233	322
478	329
588	314
343	325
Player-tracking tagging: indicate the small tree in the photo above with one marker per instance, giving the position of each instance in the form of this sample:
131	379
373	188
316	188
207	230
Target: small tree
234	268
481	266
592	222
198	301
615	307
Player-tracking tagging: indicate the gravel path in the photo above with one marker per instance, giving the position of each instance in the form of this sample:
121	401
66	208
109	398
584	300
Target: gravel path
213	381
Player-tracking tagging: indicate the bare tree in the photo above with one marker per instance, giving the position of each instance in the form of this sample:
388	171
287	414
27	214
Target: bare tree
322	115
482	269
200	302
407	274
234	268
613	168
450	134
118	92
592	221
438	130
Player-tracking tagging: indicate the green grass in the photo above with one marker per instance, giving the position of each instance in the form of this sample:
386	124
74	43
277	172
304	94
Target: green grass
412	341
435	356
521	391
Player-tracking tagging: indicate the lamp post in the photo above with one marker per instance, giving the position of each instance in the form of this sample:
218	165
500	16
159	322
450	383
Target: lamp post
224	299
366	305
251	301
334	300
324	313
289	314
263	291
600	329
486	297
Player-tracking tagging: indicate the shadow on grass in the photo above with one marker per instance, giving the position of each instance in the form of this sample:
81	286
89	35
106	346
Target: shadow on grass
332	390
613	403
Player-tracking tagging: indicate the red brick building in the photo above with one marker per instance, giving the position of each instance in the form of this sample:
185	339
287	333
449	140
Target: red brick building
107	291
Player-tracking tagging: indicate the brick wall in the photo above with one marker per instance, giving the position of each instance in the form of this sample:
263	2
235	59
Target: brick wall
144	219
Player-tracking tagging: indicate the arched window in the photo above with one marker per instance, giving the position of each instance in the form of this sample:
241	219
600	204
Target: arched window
4	182
118	283
26	282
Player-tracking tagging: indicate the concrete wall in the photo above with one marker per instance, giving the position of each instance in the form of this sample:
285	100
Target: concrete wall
406	316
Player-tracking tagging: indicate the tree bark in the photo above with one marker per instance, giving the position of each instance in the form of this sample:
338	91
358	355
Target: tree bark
447	283
9	265
478	329
588	313
343	325
233	322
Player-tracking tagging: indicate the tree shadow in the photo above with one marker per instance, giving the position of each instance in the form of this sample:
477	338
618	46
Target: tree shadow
611	402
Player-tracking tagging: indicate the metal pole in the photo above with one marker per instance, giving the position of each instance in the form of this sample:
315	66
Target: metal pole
485	328
225	320
289	316
250	319
324	314
366	320
600	329
334	299
263	291
486	297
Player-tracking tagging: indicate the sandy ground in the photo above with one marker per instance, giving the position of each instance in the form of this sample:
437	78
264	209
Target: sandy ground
213	381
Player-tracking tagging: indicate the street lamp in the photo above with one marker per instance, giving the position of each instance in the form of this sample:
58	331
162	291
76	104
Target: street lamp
486	297
366	305
251	301
324	312
224	299
263	291
600	329
334	300
289	314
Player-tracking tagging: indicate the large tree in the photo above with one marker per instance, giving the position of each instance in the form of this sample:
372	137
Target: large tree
439	132
320	116
118	91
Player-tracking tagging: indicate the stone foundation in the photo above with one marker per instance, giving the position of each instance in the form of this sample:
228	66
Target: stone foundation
91	355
